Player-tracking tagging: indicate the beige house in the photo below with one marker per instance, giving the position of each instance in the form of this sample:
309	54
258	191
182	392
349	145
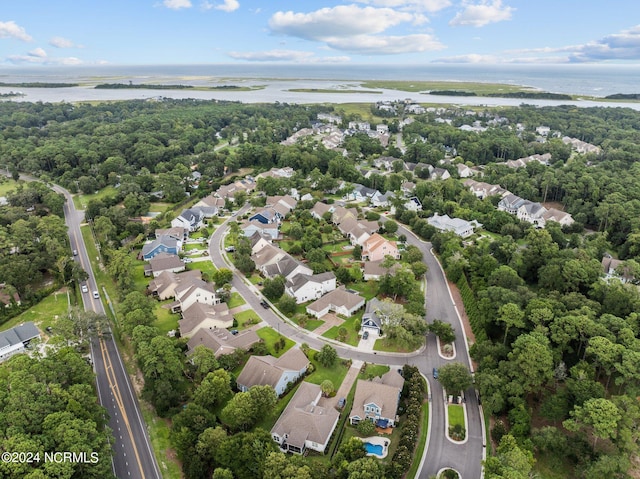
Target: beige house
339	300
275	372
163	262
221	341
194	291
201	315
303	424
165	284
377	400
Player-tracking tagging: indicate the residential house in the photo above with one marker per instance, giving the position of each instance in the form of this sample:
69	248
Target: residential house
543	159
249	228
373	270
614	268
221	341
194	291
359	125
304	424
385	162
382	129
17	339
9	296
258	241
179	233
319	210
304	287
210	201
189	219
164	285
377	400
287	266
380	200
373	319
464	171
269	254
459	226
340	214
266	216
201	315
360	193
482	190
164	244
246	184
285	172
510	203
274	372
376	248
439	174
408	188
358	231
562	217
339	300
532	213
283	203
581	146
163	262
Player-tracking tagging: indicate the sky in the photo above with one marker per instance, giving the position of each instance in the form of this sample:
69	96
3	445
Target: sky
173	32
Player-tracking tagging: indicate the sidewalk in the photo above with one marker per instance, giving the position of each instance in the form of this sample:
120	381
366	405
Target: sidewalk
345	387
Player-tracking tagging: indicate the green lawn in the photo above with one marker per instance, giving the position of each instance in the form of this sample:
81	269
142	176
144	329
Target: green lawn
551	466
235	300
349	324
159	434
416	86
194	246
368	289
81	200
335	374
244	317
205	267
7	185
270	337
391	346
456	415
310	324
139	279
255	278
268	420
165	319
337	247
43	314
373	370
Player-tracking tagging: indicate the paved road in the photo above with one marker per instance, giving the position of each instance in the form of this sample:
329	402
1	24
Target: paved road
440	452
132	453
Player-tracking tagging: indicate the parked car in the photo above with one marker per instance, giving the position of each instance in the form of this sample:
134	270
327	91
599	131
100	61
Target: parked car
234	331
230	249
264	304
365	335
341	403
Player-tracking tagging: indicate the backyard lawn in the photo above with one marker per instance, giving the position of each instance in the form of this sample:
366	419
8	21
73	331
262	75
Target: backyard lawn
235	300
245	318
44	313
335	374
165	320
373	370
271	337
367	289
81	200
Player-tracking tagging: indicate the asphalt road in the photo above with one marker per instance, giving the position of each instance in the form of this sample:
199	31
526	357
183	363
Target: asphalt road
440	452
132	454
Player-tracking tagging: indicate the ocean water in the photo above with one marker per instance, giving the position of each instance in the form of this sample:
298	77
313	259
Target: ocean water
593	80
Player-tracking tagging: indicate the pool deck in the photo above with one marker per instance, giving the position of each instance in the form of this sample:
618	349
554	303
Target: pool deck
378	441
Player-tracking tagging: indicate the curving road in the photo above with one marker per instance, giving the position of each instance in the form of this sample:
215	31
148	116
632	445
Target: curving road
132	454
440	452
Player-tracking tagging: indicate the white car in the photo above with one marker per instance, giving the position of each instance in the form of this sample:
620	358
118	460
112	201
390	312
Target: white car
84	288
96	295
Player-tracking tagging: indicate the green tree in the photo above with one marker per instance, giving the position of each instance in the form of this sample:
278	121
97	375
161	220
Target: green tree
512	316
455	378
599	416
327	388
273	289
327	356
222	276
214	389
443	330
287	304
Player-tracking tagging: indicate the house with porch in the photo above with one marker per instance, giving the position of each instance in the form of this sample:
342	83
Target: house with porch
377	400
304	424
304	287
377	247
339	301
17	339
221	341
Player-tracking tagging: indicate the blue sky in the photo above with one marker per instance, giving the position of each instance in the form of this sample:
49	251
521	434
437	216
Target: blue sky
145	32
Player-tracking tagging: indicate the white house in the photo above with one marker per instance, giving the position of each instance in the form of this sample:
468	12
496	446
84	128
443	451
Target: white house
459	226
305	287
339	300
189	219
16	339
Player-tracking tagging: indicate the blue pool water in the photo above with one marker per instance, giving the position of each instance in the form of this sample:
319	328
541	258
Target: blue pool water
373	448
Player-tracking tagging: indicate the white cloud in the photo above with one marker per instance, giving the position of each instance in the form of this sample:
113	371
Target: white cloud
420	5
470	58
296	56
228	6
340	21
355	29
60	42
39	56
12	30
177	4
617	46
484	13
385	45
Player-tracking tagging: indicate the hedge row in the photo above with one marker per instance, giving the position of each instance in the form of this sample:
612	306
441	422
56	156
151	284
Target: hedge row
471	308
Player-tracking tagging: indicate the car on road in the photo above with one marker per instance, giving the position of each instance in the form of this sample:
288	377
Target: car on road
234	331
264	304
84	288
96	295
75	252
435	373
230	249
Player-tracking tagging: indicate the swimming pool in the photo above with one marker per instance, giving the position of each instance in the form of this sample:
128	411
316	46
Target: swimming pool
373	448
